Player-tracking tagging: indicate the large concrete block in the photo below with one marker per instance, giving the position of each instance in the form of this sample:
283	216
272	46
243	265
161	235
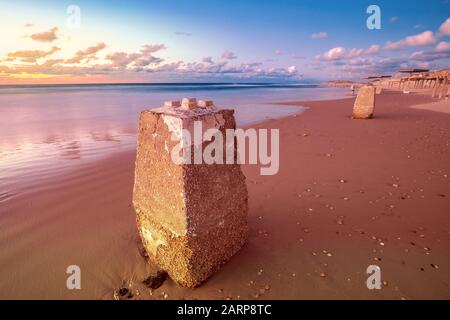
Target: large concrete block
365	103
191	217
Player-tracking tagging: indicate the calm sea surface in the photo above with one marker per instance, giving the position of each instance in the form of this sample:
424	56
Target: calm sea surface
47	129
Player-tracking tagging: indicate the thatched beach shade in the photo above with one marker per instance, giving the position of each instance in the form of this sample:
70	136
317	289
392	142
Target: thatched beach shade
379	76
378	84
413	70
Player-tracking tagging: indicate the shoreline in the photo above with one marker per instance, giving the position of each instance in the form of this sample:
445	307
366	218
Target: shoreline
333	229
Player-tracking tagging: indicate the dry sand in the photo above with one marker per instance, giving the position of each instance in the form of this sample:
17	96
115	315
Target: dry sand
439	106
349	194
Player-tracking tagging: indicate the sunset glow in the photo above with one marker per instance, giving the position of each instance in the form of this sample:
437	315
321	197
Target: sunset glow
146	42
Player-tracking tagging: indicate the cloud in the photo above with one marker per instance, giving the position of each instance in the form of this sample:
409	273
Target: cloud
228	55
207	60
418	26
129	64
176	70
223	69
425	38
319	35
152	48
122	59
87	53
28	25
445	28
48	36
393	19
374	49
278	52
335	54
363	66
297	57
144	58
441	51
146	61
443	47
51	63
181	33
292	69
31	56
341	53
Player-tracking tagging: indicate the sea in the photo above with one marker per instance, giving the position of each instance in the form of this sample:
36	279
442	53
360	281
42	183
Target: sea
47	129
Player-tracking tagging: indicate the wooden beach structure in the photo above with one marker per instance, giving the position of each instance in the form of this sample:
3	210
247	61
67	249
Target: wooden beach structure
419	79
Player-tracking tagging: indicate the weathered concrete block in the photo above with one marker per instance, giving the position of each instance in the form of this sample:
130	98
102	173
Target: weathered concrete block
191	217
365	103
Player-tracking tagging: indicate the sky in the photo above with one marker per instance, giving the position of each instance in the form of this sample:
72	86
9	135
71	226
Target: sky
217	40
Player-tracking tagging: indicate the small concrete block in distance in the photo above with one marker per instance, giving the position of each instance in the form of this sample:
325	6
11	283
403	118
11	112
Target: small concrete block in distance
365	103
189	103
192	218
205	103
172	103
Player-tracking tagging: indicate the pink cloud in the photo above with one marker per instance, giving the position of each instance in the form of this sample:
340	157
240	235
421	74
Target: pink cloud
319	35
152	48
86	54
340	53
443	46
335	54
425	38
441	51
31	56
373	49
445	28
208	60
228	55
48	36
292	69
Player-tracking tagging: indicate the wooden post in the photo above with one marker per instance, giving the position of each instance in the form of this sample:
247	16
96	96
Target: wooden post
443	87
435	88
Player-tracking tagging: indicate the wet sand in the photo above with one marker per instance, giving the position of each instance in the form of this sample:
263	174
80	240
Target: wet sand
349	194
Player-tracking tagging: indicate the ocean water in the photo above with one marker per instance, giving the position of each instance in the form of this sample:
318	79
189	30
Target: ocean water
46	129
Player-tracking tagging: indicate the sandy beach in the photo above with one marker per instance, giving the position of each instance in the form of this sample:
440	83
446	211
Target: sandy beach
349	194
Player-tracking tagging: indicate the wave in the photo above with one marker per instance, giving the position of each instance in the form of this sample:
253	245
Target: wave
146	87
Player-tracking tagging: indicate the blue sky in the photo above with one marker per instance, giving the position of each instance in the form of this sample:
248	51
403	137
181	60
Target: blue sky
215	40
